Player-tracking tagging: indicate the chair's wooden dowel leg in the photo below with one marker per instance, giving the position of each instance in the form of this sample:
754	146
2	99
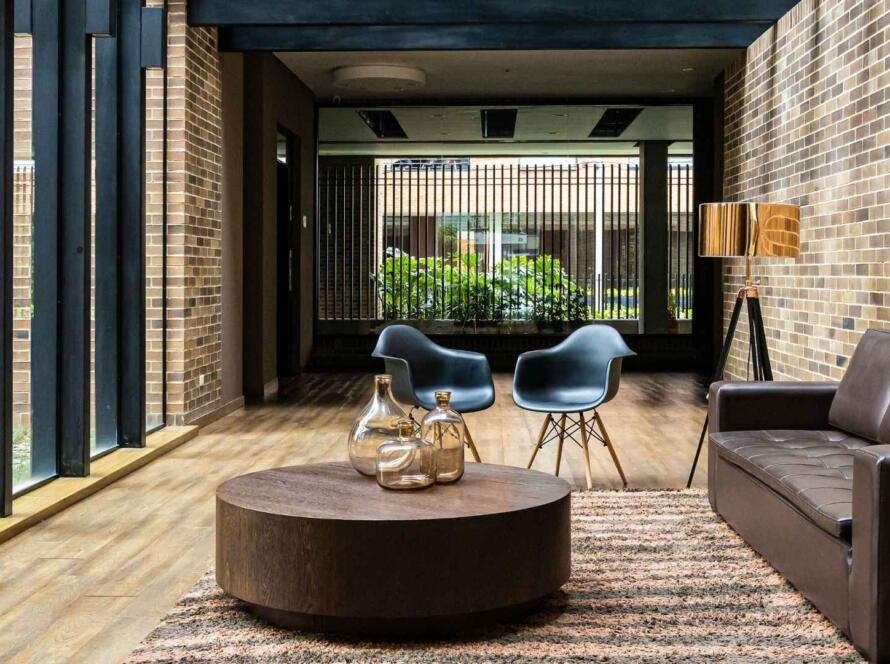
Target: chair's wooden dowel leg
586	452
472	445
539	441
599	420
562	437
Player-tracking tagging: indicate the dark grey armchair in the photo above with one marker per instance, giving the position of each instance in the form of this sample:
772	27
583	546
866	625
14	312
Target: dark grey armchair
578	375
420	367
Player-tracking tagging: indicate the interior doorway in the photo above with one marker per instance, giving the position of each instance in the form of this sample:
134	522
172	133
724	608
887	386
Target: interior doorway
288	294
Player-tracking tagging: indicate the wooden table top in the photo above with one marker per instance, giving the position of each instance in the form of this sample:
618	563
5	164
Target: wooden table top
335	491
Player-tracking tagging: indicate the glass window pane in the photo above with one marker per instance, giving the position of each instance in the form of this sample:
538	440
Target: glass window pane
31	463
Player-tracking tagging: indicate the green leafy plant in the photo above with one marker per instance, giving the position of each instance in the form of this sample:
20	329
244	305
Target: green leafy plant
456	287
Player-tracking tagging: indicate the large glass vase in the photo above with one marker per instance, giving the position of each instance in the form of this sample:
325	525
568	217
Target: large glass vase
445	429
407	462
377	423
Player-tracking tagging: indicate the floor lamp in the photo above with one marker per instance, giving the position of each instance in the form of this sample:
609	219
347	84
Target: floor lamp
746	230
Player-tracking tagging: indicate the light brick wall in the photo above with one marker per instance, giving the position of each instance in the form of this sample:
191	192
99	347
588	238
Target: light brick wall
194	258
808	122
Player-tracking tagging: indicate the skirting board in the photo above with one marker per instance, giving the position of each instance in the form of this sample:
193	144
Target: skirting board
222	411
53	497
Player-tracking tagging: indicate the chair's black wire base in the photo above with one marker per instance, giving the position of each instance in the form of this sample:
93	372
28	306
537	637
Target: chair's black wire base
572	428
568	425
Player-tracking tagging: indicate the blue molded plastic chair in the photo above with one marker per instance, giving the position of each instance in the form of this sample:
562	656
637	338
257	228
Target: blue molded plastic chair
420	368
578	375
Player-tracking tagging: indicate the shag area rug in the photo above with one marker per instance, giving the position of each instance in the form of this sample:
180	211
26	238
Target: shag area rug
656	577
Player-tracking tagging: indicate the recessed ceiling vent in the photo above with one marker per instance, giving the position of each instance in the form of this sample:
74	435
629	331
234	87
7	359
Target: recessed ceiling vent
498	122
614	121
379	78
383	123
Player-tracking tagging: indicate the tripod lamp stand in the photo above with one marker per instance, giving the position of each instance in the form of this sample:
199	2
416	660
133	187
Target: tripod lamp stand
746	230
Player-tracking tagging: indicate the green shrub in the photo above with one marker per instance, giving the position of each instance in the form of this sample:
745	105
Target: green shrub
456	287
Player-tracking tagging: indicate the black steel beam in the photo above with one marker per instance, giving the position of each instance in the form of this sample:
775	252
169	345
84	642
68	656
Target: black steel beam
101	17
504	36
398	12
45	247
6	240
654	208
23	17
74	250
154	37
132	227
108	136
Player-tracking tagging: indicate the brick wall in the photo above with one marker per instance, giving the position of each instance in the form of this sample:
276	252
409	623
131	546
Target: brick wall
807	110
194	175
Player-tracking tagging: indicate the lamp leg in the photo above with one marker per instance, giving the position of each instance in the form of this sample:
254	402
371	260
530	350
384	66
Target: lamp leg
754	338
539	441
562	437
718	374
471	444
766	369
586	451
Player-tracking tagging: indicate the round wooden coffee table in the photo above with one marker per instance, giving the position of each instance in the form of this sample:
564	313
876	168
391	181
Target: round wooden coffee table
322	548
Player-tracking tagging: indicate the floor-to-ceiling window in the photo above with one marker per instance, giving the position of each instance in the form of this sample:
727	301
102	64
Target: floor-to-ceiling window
78	159
442	216
33	460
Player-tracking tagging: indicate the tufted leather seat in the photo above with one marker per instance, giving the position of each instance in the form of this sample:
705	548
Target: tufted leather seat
813	470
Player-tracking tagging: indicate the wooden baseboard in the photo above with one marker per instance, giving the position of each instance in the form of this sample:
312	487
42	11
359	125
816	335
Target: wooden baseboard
53	497
222	411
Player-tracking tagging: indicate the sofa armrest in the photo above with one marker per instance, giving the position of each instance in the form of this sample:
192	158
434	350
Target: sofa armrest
769	405
870	576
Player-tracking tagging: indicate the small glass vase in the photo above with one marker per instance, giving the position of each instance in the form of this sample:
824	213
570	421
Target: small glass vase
445	429
378	422
408	462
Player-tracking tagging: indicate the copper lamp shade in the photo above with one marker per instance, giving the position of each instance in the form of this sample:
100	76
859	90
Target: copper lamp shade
749	230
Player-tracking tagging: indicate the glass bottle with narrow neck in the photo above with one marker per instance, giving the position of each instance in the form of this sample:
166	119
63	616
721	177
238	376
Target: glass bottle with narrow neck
376	424
446	430
407	462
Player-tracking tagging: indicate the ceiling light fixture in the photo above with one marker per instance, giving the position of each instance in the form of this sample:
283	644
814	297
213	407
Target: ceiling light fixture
688	69
378	78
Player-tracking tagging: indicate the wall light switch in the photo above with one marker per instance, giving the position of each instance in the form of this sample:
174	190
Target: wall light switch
304	221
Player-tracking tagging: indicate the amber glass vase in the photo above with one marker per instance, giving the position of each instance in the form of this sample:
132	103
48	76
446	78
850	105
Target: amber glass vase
378	422
445	429
407	462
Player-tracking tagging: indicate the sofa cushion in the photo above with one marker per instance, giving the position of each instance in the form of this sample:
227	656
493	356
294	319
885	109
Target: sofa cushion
862	403
813	470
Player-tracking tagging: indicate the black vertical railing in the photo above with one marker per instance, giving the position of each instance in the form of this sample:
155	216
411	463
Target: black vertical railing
447	240
681	239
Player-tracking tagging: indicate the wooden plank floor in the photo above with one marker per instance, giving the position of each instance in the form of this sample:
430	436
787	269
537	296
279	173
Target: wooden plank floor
89	583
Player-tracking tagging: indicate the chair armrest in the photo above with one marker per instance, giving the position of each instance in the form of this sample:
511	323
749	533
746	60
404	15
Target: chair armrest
870	575
759	405
525	373
466	367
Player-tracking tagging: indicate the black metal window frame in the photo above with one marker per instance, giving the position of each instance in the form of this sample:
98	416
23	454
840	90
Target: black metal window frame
130	39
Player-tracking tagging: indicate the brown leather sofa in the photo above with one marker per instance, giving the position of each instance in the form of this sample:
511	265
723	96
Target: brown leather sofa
802	472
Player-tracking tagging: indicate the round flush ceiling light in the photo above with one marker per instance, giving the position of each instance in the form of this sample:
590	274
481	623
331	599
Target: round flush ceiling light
379	78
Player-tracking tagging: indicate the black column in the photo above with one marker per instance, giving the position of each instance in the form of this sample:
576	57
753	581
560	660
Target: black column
45	245
132	226
74	253
707	320
654	178
6	224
